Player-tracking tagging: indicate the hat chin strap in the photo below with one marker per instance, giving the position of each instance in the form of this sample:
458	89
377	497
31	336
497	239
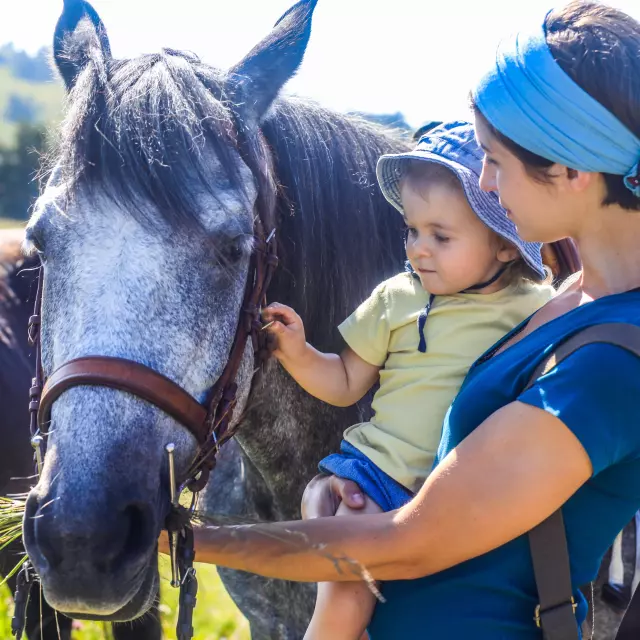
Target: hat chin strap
476	287
482	285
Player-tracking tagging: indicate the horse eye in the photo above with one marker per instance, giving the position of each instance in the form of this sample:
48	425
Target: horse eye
34	242
234	251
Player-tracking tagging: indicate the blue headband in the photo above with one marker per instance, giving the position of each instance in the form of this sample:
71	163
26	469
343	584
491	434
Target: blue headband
532	101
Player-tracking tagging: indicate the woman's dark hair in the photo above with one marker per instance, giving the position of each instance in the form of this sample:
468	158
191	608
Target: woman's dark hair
598	48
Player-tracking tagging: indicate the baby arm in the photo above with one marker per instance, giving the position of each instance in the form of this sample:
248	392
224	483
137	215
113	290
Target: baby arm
340	380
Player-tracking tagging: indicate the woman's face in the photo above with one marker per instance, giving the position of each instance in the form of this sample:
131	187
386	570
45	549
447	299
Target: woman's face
542	212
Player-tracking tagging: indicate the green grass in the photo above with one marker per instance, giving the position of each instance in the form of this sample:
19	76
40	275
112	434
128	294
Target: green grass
48	95
215	617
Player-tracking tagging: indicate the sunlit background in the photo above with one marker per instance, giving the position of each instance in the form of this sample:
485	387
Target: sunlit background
417	57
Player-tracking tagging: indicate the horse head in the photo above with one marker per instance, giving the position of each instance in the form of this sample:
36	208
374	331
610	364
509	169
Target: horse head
145	231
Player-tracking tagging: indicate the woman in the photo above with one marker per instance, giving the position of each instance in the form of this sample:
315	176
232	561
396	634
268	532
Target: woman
559	119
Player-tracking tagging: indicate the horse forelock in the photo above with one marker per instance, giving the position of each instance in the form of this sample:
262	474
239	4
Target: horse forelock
147	130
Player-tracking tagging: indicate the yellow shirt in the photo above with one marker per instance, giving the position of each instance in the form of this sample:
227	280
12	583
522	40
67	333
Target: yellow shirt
416	388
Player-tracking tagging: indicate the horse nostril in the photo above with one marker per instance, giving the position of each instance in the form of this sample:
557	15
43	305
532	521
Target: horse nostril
140	530
129	536
110	542
38	545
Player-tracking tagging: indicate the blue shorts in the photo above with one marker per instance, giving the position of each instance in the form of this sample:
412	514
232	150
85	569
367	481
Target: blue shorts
351	464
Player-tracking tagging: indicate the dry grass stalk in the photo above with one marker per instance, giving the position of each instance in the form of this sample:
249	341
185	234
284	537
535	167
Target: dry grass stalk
11	513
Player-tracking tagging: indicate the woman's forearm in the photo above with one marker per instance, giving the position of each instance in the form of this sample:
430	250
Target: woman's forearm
471	504
320	550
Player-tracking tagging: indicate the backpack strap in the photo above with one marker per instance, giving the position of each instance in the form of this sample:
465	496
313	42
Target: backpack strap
630	625
555	613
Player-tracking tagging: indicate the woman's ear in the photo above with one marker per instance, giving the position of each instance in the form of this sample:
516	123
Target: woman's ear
581	180
572	179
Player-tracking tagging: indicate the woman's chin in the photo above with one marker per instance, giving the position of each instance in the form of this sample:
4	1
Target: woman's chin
527	232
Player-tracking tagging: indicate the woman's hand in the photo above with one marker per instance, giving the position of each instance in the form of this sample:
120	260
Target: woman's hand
287	327
324	494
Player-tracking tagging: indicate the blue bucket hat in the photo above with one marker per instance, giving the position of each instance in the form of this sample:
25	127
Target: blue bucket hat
453	145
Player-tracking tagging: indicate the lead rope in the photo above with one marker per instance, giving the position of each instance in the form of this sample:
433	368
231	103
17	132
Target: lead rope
188	584
24	584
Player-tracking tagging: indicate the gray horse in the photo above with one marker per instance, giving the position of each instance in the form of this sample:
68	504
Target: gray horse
145	230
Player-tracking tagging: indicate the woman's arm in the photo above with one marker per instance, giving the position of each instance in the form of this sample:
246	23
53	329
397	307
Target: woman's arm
511	473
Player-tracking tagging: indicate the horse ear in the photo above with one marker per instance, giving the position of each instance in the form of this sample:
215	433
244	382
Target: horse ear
256	80
80	37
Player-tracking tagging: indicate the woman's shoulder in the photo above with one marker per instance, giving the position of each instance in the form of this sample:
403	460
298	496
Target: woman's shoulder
615	308
536	338
593	391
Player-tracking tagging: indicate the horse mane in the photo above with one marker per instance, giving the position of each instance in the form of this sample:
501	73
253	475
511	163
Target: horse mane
338	236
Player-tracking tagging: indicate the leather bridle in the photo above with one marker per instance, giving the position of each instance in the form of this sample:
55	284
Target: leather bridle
209	422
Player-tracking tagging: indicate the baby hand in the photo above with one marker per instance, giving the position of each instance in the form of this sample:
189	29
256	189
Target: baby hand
286	326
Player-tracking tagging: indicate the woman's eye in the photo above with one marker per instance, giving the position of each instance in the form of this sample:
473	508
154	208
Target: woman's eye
440	238
490	161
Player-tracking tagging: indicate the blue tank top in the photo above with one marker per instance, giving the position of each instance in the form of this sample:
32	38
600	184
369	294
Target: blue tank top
595	393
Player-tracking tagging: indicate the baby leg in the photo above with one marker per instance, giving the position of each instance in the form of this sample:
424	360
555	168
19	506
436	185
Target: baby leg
343	609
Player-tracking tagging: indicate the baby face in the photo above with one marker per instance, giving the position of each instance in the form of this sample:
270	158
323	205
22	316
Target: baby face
448	246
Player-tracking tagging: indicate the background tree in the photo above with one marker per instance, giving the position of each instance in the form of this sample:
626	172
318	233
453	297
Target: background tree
19	164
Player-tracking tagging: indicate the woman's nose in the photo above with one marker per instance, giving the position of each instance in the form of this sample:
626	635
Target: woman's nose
488	178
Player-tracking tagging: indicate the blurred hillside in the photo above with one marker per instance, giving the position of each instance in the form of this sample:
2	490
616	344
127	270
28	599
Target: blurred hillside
29	92
30	100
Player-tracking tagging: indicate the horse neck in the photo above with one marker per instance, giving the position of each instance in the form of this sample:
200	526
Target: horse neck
338	238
